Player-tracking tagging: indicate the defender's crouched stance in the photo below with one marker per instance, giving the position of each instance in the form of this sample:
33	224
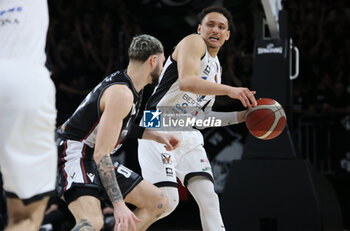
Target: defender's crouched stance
97	129
81	188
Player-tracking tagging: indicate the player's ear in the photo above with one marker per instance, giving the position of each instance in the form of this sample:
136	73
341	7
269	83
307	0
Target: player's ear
228	34
199	29
153	60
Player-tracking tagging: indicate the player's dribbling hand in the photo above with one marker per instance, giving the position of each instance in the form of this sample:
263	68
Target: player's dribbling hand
123	217
244	95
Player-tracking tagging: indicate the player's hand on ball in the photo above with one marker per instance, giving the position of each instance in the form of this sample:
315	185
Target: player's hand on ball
244	95
267	120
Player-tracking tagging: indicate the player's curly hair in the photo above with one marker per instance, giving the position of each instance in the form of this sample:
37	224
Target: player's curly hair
143	46
218	9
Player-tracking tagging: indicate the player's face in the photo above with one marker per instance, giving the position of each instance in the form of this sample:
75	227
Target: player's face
157	70
214	30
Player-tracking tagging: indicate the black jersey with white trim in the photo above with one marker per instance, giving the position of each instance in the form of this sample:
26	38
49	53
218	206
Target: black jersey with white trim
82	125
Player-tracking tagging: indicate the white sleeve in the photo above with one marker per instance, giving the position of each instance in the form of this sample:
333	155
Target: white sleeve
226	118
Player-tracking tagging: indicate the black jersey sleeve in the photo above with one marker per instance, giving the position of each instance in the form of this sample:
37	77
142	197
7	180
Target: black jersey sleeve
136	131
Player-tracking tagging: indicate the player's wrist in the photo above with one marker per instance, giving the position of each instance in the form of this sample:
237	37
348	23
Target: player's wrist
241	116
229	90
118	203
148	134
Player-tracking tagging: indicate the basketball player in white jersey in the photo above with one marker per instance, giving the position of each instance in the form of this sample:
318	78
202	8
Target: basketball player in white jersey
28	154
189	82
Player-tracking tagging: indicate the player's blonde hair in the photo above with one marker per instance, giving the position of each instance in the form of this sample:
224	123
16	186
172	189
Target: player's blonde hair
143	46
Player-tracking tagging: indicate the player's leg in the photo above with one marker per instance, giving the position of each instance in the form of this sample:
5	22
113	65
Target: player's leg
194	171
87	213
150	202
25	217
203	192
158	167
28	155
79	185
173	199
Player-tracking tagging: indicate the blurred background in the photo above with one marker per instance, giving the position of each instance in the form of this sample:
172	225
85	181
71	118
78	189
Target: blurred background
87	40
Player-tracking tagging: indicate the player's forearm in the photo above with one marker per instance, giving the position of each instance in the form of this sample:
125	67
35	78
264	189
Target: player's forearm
226	118
108	179
150	135
203	87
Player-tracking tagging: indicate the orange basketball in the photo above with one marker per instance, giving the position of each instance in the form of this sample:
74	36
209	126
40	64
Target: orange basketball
267	120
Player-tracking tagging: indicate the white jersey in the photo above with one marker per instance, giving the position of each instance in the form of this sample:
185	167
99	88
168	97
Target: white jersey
23	30
28	154
161	167
168	96
168	93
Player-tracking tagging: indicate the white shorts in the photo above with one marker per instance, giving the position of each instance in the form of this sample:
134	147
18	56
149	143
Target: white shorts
28	154
161	167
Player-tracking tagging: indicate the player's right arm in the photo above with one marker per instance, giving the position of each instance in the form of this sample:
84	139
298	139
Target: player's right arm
115	104
188	54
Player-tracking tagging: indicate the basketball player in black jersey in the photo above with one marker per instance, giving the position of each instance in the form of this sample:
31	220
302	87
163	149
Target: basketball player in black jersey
96	130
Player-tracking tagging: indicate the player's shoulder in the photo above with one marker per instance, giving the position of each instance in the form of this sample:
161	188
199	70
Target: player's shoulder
120	89
194	39
117	93
117	99
193	44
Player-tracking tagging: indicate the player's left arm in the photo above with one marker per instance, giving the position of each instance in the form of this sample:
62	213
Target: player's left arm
115	104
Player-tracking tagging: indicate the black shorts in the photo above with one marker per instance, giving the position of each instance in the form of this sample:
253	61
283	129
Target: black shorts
78	175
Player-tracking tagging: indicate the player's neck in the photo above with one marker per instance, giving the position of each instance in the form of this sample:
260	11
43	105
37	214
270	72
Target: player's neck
213	52
137	76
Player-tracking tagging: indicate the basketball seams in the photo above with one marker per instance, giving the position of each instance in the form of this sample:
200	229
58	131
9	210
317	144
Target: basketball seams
262	119
273	126
278	113
272	113
269	108
268	119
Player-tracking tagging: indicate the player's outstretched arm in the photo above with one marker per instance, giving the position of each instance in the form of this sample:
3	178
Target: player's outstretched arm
188	54
115	104
226	118
170	141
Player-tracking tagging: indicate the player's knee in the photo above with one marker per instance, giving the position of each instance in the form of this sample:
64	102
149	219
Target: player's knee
25	223
93	223
22	218
159	203
172	204
173	200
210	199
97	223
204	193
162	202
